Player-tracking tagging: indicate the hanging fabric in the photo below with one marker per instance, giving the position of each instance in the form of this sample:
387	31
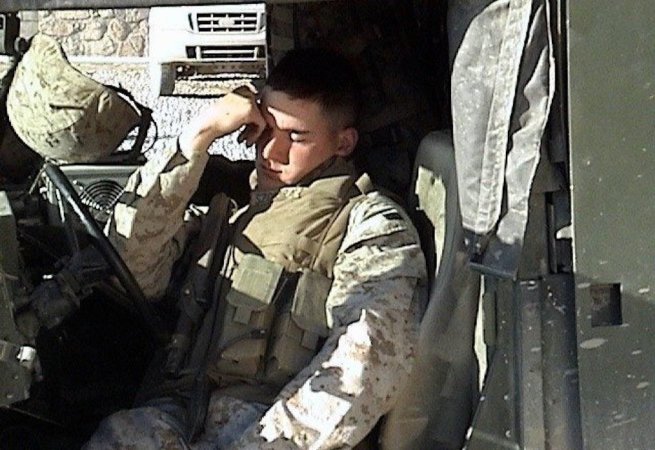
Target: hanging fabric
502	89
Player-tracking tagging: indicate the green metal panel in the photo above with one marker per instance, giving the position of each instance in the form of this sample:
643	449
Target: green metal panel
9	255
612	145
15	379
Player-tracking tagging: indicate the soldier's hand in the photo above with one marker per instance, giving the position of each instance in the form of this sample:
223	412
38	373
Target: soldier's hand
226	115
242	103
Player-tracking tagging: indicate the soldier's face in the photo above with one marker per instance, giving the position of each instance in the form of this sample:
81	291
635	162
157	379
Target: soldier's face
300	138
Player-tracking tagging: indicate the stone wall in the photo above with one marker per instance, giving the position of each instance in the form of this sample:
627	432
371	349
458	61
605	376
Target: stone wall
104	32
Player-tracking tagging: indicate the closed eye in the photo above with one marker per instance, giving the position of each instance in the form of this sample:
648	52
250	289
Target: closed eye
297	136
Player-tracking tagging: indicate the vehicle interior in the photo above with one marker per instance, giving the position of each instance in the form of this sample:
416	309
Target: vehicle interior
477	120
92	363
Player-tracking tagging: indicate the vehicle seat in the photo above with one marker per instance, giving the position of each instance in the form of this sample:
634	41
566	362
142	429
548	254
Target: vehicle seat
436	408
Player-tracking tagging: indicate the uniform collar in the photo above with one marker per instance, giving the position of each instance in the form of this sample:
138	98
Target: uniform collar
319	179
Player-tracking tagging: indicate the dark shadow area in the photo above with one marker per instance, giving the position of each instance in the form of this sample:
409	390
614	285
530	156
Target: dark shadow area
223	175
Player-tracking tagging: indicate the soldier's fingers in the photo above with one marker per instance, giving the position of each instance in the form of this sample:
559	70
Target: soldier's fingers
250	134
257	119
254	132
255	123
246	136
242	135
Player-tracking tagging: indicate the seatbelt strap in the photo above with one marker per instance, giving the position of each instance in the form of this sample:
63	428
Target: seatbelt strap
208	254
207	339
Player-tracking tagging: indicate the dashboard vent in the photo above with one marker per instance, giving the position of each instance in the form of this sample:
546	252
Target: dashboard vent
99	188
101	196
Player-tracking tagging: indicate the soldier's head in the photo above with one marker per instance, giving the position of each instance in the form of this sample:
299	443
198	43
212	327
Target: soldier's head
311	103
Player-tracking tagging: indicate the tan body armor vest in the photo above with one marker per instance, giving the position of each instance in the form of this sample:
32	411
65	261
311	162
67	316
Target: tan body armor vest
278	269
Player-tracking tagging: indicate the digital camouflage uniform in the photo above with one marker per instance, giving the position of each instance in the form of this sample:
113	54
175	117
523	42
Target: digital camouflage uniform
357	374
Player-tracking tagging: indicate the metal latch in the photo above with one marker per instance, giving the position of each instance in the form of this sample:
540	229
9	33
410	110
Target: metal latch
26	357
24	354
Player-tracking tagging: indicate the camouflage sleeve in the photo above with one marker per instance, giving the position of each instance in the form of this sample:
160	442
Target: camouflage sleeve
355	378
149	225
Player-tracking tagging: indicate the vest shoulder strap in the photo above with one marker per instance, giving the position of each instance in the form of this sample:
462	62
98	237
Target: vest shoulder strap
365	185
324	259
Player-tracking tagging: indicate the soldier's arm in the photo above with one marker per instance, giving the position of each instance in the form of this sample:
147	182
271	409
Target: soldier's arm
149	228
356	377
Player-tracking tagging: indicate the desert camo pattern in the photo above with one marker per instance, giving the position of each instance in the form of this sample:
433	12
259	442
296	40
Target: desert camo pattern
152	215
373	308
160	427
61	113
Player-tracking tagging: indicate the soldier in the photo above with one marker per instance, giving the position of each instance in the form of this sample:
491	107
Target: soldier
316	313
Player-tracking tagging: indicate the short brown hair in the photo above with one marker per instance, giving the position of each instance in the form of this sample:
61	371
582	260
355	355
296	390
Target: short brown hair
323	76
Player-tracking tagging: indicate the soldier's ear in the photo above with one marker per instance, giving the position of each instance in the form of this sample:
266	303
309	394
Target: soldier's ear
347	141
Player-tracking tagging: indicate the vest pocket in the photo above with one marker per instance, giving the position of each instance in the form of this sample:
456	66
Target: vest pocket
300	329
248	316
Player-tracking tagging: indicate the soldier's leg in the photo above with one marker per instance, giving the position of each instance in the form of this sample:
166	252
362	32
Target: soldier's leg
151	427
227	419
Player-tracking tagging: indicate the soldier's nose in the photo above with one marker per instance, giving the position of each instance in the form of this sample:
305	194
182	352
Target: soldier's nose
276	150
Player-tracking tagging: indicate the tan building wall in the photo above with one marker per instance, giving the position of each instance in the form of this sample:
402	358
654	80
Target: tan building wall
105	32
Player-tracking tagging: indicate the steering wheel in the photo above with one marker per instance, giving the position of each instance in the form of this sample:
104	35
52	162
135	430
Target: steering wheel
107	250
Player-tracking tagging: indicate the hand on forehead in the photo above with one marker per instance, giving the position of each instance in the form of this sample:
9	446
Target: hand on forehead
292	114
